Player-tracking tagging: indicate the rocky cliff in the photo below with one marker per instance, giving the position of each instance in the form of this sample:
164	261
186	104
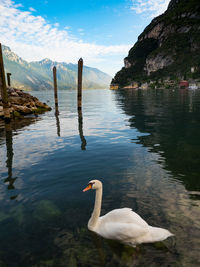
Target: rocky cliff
168	48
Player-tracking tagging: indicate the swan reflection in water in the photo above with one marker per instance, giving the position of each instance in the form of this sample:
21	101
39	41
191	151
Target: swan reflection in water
118	254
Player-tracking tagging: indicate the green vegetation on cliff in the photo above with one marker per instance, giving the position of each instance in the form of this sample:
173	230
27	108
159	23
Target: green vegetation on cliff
168	47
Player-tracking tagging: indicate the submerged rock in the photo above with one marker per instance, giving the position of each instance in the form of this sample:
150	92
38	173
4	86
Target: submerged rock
46	210
21	103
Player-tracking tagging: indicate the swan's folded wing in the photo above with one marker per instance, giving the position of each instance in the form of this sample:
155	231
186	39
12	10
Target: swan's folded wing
124	232
124	215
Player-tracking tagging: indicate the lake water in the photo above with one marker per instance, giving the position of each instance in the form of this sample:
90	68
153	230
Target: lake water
143	145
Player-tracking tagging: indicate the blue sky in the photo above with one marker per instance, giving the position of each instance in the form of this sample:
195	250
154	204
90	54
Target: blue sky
100	31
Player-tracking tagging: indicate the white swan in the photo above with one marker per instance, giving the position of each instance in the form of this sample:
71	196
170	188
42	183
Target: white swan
123	224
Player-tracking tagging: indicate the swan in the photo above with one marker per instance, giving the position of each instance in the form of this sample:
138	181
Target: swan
122	224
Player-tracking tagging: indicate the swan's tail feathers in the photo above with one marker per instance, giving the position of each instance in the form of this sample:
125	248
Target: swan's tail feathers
157	234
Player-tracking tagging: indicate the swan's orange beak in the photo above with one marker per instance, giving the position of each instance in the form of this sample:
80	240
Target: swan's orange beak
88	188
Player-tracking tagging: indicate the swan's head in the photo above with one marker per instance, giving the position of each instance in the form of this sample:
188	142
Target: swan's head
93	184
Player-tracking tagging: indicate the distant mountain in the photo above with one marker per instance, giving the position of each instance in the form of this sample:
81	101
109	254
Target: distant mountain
38	75
168	48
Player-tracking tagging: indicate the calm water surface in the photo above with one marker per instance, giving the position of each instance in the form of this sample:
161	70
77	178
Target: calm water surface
145	148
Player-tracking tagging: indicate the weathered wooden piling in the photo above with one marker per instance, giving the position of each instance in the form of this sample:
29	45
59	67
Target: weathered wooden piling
55	88
8	79
79	95
4	94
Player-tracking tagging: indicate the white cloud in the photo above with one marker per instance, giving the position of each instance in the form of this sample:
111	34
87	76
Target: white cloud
33	38
67	27
153	7
32	9
56	24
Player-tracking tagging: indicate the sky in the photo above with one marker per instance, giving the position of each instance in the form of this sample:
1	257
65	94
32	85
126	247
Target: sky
99	31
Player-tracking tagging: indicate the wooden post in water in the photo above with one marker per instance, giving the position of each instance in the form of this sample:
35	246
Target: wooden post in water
8	79
55	88
4	94
79	95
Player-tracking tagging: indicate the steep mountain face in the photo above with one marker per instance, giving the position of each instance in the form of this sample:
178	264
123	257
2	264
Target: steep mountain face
168	48
38	75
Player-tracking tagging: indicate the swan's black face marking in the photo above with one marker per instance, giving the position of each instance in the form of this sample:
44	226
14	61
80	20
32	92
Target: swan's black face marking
91	184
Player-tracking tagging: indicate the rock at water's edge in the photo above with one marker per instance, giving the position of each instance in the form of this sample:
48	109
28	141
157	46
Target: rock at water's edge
21	103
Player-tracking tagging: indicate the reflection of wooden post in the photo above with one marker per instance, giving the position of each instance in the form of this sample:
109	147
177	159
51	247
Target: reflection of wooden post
8	79
9	162
4	94
80	70
57	121
80	128
55	87
56	100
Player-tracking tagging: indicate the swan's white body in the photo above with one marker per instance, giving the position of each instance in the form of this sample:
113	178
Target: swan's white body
123	224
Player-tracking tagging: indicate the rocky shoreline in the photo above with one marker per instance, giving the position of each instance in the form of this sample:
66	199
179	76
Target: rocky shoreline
21	103
159	84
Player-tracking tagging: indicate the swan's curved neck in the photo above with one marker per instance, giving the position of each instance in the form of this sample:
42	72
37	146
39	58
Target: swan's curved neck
97	209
